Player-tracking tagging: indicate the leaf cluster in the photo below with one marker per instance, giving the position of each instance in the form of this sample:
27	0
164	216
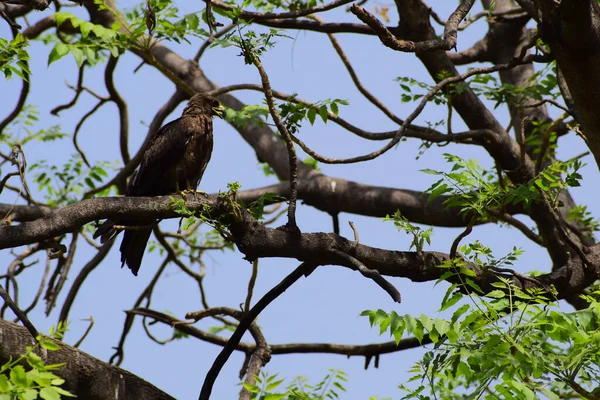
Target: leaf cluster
329	387
65	184
514	344
14	57
27	377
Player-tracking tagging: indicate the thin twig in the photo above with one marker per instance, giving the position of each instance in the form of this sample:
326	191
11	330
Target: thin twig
293	160
460	237
251	284
20	314
87	331
372	274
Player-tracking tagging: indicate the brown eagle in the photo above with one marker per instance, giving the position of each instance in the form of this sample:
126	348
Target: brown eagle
173	162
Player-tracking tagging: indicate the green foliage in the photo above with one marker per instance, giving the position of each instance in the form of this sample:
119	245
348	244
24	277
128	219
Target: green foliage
27	376
66	184
170	26
291	112
92	41
514	345
14	57
482	255
252	44
580	215
267	170
474	189
252	114
542	84
329	387
311	162
420	236
257	207
294	113
20	131
270	5
407	85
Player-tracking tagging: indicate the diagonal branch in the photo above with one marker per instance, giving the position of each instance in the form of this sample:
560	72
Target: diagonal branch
304	269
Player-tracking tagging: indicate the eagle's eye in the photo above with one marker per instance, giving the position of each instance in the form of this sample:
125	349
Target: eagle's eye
215	104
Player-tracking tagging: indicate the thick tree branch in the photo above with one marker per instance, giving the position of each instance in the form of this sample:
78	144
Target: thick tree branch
257	241
85	376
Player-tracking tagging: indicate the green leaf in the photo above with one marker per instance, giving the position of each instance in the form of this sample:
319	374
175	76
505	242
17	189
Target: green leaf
49	393
62	391
59	51
274	385
275	396
49	344
455	298
496	294
61	17
34	360
78	55
18	377
29	394
334	109
251	388
86	28
4	384
323	113
441	326
311	115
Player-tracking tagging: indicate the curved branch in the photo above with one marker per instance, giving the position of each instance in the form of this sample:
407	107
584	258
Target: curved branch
20	102
122	106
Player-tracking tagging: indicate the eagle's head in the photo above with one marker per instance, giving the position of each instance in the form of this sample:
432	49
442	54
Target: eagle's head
203	104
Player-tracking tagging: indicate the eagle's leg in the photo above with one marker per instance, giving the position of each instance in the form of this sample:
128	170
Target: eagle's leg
188	189
191	190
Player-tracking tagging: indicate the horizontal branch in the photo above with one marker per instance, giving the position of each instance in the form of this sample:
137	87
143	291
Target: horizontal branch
335	195
367	350
323	27
260	16
255	241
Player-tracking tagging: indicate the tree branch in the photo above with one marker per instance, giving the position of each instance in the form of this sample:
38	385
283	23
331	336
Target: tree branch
85	376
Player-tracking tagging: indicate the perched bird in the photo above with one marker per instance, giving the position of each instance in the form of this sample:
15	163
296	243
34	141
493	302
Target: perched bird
173	162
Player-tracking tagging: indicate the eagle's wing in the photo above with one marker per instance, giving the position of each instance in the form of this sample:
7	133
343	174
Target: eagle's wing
165	149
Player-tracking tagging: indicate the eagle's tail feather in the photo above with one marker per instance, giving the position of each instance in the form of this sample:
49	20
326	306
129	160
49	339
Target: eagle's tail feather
133	247
106	231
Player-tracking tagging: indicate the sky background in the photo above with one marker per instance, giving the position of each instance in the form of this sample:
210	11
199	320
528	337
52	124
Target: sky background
324	307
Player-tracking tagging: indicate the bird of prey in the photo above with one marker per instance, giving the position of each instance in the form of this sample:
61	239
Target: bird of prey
173	162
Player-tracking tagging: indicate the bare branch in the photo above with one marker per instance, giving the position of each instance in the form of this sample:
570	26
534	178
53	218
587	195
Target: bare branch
388	39
304	269
121	105
20	314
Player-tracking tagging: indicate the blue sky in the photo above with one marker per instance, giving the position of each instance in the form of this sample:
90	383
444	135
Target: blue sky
324	307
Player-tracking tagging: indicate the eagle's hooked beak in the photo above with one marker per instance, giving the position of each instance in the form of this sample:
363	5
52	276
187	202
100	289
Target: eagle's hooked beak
218	110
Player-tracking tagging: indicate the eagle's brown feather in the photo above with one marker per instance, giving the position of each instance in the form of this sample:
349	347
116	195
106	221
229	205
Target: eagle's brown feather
176	158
